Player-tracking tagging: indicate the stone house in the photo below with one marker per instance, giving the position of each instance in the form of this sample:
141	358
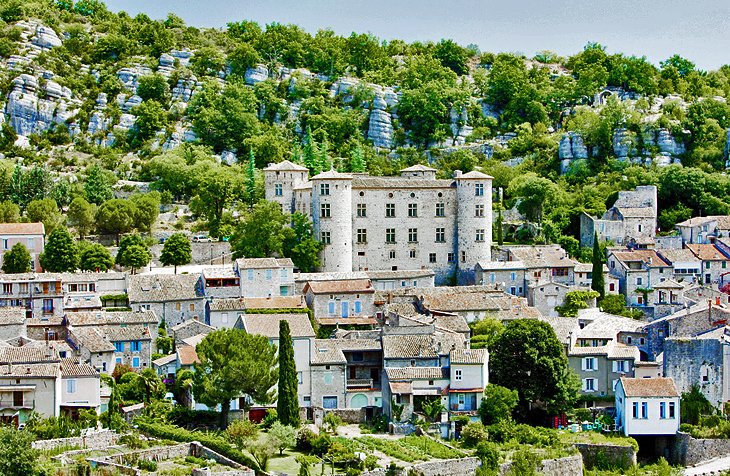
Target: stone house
546	296
83	291
40	293
302	336
714	260
184	357
704	230
686	266
599	368
189	328
544	263
468	377
448	222
223	313
510	275
46	329
92	346
221	282
638	270
584	277
647	407
386	280
133	334
346	373
343	302
12	323
31	235
29	387
80	388
631	221
281	180
700	360
172	297
265	277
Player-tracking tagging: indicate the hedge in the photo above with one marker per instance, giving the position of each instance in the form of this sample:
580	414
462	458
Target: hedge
215	443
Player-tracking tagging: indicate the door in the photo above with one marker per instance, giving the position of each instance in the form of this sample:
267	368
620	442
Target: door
345	308
358	401
17	399
329	402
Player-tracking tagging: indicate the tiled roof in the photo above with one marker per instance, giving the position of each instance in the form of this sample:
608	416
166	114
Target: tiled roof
416	373
649	387
257	263
351	286
28	354
103	318
418	168
707	252
473	175
274	302
268	324
80	302
163	287
326	351
12	316
501	265
421	346
192	322
391	183
723	221
668	284
22	229
468	356
604	325
125	334
194	340
400	274
343	276
286	165
92	339
400	388
43	322
45	370
645	256
220	272
546	256
165	360
612	350
677	255
186	355
74	368
332	175
563	326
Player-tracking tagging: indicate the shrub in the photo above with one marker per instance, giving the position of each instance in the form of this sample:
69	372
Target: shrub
524	463
132	441
305	436
489	454
270	418
321	444
472	434
147	465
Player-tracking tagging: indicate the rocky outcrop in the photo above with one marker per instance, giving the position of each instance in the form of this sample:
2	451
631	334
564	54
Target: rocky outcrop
130	76
460	128
46	38
571	148
624	143
380	126
257	74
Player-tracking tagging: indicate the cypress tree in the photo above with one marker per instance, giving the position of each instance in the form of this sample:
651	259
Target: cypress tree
287	405
357	162
311	153
597	283
500	238
251	177
324	155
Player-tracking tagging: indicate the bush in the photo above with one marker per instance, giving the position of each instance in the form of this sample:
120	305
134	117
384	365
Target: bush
321	444
504	432
524	463
270	418
133	441
473	434
147	465
305	436
489	454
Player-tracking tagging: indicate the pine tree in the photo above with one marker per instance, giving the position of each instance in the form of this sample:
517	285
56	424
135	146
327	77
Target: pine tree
251	177
597	283
60	254
500	238
357	160
296	154
287	405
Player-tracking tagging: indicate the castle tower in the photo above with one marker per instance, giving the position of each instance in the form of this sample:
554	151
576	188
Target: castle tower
280	180
332	219
473	222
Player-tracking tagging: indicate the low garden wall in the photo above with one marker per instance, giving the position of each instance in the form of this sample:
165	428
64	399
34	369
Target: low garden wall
688	451
92	440
568	466
606	456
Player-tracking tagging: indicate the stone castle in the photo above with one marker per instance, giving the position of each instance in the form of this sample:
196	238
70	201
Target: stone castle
392	223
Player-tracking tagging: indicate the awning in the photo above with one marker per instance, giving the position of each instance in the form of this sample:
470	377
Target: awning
17	388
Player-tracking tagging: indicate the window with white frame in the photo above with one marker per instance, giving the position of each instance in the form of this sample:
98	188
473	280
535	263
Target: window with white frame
480	235
479	190
324	189
589	385
457	374
590	363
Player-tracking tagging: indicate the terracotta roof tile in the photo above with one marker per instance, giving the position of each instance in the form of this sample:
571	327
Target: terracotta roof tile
468	356
268	324
74	368
22	229
416	373
707	252
649	387
347	286
186	355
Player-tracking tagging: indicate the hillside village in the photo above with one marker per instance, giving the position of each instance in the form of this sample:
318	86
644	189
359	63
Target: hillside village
257	251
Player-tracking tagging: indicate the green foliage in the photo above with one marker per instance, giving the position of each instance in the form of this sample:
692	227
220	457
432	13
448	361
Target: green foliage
433	409
529	358
287	404
498	404
331	422
485	332
17	456
694	405
301	246
115	216
524	463
233	363
176	251
146	210
98	184
598	283
133	252
153	87
262	232
17	260
242	432
283	436
60	254
44	211
94	257
81	216
576	300
473	434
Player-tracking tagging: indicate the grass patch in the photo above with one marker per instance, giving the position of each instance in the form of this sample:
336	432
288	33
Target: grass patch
430	447
393	448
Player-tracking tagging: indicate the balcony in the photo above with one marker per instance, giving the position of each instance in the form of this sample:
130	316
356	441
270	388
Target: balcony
361	383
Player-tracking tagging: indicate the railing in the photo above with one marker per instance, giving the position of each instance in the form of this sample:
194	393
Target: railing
360	383
10	403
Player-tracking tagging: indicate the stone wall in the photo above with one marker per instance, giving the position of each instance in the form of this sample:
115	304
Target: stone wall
94	440
613	455
568	466
235	472
688	451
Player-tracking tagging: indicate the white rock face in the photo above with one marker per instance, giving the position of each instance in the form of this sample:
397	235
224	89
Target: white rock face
571	148
130	76
624	143
256	75
46	37
667	144
380	126
228	157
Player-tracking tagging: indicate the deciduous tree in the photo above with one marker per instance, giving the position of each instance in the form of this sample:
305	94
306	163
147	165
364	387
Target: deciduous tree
177	251
60	254
17	260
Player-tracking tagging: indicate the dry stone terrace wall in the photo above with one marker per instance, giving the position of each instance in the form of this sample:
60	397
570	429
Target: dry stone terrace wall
688	451
96	440
568	466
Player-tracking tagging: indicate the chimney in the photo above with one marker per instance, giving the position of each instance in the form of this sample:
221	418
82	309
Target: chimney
457	173
717	301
